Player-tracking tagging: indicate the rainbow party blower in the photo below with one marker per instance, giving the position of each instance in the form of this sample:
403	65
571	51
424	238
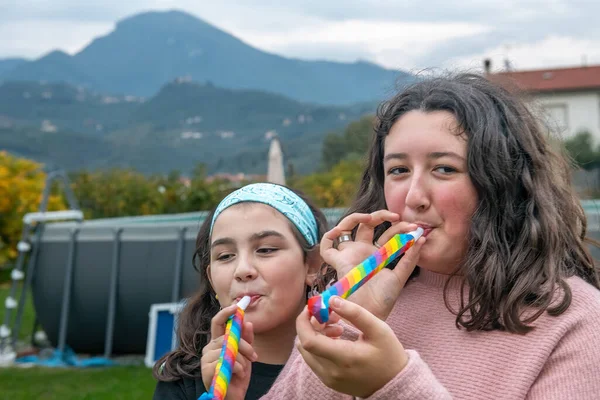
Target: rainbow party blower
229	351
318	306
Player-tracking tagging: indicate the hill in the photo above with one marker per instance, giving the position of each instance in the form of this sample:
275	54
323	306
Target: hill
184	124
147	50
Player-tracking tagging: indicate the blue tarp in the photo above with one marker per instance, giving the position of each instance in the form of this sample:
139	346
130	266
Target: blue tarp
56	358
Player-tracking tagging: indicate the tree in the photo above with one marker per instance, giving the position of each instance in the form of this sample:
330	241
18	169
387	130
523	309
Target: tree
335	188
581	150
21	185
204	195
116	193
174	191
353	142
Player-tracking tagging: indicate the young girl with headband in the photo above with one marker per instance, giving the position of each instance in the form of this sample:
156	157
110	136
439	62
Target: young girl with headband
262	241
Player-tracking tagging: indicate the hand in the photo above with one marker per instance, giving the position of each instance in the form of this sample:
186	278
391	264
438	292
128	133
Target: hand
378	295
358	368
240	377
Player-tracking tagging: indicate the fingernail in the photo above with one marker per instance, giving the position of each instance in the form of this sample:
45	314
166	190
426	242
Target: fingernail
336	302
254	357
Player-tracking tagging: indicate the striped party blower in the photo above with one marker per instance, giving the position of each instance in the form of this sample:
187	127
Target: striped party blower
229	352
318	306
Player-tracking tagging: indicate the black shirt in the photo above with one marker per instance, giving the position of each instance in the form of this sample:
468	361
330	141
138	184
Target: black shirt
262	378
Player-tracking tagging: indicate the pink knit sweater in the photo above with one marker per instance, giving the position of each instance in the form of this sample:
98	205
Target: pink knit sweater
559	359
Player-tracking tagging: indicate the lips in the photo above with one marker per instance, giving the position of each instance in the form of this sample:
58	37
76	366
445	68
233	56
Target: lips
253	297
426	231
427	228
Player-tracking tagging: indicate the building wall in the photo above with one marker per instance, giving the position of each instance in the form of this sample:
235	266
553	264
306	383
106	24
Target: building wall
571	112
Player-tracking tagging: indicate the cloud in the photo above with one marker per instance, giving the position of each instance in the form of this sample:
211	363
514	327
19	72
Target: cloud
33	38
553	50
409	34
394	44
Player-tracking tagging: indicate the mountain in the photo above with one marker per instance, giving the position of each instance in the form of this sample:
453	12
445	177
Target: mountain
67	107
147	50
56	66
184	124
8	64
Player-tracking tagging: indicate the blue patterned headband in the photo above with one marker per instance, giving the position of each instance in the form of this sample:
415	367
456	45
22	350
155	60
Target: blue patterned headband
280	198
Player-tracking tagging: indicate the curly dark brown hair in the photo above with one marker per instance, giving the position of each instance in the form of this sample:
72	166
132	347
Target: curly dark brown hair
528	232
193	329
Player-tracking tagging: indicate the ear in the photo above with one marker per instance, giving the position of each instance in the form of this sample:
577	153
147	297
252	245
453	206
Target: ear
208	274
313	264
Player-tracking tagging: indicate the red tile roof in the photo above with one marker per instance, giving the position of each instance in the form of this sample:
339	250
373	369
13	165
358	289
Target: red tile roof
550	80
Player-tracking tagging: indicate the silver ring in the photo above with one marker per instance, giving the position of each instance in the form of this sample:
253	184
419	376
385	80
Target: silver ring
376	244
344	238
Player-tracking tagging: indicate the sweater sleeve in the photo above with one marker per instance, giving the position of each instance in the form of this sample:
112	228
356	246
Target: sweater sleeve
571	371
297	381
414	382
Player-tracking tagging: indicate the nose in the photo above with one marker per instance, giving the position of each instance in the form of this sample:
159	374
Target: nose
417	197
245	269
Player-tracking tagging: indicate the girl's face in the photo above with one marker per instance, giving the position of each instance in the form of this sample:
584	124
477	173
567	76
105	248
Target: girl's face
254	252
426	182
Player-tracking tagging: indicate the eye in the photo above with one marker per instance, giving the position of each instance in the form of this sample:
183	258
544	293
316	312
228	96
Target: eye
446	170
224	257
397	170
267	250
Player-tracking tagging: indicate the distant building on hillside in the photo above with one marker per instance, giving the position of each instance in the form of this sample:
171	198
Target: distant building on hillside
569	98
48	126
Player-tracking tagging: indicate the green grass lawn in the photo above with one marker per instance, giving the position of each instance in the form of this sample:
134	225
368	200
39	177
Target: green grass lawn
28	313
131	382
127	383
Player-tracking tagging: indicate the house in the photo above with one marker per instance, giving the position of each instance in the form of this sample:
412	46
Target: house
568	98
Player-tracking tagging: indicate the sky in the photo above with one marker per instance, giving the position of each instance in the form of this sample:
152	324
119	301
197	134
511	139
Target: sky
398	34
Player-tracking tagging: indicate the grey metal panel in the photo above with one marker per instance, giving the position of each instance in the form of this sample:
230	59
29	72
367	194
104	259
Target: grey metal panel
146	272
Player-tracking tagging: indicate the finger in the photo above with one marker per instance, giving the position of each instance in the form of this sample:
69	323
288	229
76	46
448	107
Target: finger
407	264
211	355
245	347
218	322
351	221
210	359
246	350
346	225
208	370
314	362
214	344
319	365
333	318
248	332
333	331
240	366
329	239
365	231
367	323
400	227
316	325
317	344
